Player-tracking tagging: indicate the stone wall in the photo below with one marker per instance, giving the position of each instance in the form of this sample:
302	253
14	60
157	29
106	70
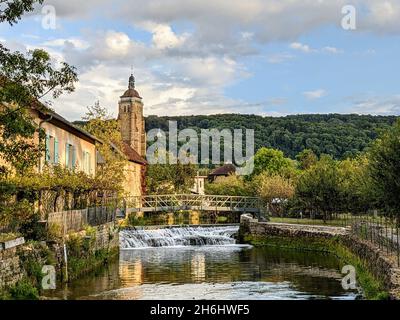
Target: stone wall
107	236
379	263
12	260
10	268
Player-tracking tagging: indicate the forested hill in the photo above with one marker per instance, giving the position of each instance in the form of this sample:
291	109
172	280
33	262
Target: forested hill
334	134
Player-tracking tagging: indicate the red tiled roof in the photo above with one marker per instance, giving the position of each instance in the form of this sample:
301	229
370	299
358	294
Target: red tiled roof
131	93
132	154
225	170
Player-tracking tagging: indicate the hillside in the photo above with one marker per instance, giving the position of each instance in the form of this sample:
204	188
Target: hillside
334	134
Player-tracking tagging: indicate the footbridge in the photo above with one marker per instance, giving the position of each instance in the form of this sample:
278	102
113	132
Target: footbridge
194	202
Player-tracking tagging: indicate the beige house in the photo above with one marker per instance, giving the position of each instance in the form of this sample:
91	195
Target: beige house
65	143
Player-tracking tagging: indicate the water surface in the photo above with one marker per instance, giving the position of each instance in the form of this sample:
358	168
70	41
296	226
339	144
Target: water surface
217	269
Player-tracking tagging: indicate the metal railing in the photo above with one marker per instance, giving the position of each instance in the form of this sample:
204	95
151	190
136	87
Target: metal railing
177	202
380	230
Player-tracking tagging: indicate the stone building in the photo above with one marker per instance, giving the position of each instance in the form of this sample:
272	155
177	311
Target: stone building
131	119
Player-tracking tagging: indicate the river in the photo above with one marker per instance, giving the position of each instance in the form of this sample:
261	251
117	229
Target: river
206	263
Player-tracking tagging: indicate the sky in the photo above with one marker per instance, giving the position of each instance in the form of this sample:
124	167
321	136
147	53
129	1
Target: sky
266	57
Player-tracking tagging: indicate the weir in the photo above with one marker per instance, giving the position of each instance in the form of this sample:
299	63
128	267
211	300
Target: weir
178	236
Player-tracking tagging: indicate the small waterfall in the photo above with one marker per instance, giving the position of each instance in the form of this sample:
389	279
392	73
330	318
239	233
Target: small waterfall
177	236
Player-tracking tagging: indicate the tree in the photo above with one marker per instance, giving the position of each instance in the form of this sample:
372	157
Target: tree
231	185
12	10
100	124
271	161
306	159
274	190
318	188
170	178
384	169
355	185
25	79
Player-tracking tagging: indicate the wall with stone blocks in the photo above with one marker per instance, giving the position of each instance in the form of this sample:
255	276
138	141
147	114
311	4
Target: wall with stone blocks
379	263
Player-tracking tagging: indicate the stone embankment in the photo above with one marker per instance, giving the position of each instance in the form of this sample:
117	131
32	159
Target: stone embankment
382	265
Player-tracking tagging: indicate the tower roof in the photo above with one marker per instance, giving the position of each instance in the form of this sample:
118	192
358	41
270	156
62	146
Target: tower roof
131	92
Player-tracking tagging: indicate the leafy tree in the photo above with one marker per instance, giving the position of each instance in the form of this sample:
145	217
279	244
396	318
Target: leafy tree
229	186
271	161
306	159
170	178
384	168
274	190
25	79
355	185
338	135
100	124
12	10
318	188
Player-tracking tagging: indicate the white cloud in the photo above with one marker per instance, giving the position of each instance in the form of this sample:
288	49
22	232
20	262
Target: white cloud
316	94
164	37
77	43
377	105
279	58
307	49
332	50
301	47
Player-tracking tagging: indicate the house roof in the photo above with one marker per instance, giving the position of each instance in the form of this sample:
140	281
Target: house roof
54	118
225	170
132	154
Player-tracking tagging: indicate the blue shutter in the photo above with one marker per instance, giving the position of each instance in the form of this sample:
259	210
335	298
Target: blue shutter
67	155
56	159
47	148
73	157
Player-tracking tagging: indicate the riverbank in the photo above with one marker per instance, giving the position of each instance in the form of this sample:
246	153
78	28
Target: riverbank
21	271
377	273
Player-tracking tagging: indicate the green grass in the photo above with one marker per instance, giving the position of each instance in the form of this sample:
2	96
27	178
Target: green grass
333	223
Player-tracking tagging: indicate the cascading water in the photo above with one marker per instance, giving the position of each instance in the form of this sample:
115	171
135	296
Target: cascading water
177	236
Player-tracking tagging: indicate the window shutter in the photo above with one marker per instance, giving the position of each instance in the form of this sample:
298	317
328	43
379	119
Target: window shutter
56	159
67	155
47	148
73	157
89	163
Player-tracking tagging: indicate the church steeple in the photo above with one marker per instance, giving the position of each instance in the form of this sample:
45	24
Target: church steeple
131	82
131	118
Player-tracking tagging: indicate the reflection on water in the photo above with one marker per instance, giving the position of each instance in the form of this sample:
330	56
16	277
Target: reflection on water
214	272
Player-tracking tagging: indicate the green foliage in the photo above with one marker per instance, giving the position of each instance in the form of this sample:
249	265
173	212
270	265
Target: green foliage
229	186
24	290
271	161
170	178
12	10
384	168
100	124
26	79
306	159
340	136
272	187
318	188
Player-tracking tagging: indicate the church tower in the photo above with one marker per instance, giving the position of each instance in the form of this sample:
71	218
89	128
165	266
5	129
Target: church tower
132	120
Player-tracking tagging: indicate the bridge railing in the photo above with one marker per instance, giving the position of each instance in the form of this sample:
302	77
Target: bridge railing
157	203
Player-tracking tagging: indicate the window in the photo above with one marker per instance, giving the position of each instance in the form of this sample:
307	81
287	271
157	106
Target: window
86	161
51	149
70	156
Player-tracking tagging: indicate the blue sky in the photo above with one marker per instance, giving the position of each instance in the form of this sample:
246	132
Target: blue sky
266	57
